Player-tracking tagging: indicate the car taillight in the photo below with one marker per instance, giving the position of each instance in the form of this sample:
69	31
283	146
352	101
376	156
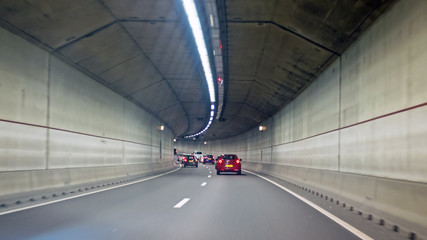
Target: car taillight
197	160
237	161
220	161
185	159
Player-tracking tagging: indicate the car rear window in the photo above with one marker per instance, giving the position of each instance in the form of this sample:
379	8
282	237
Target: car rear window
190	157
230	157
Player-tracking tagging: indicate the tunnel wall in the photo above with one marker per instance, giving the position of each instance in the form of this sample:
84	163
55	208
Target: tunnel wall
359	131
58	127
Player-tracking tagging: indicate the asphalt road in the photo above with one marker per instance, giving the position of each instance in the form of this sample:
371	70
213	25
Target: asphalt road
191	203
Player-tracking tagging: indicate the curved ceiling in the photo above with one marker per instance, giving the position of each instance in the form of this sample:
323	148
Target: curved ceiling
144	50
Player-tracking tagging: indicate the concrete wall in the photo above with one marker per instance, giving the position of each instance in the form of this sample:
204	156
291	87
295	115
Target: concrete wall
58	127
359	131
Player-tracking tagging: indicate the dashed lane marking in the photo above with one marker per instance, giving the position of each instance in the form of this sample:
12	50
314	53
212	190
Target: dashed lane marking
180	204
204	184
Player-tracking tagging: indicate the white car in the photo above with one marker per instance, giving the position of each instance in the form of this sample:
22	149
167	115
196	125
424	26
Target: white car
198	155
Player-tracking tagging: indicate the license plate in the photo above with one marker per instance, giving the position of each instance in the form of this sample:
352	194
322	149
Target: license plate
228	165
191	160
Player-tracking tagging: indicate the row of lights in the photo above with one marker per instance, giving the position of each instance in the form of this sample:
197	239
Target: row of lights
260	128
207	126
196	27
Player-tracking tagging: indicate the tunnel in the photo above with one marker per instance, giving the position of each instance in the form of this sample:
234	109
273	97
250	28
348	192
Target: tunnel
323	103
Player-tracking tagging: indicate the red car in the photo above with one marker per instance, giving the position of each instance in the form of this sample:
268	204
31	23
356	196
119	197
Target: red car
228	163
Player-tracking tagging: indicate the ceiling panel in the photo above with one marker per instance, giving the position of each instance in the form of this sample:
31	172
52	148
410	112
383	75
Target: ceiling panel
176	118
107	38
156	97
56	23
137	82
245	48
238	91
155	36
110	57
251	9
132	68
231	110
143	9
198	109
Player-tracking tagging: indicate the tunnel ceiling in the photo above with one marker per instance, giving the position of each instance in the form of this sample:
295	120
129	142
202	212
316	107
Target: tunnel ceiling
144	50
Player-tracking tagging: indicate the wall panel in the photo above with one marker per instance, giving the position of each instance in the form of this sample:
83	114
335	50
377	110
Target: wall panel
23	80
22	147
71	150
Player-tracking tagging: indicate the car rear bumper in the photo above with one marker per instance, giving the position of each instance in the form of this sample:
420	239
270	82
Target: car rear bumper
190	163
229	169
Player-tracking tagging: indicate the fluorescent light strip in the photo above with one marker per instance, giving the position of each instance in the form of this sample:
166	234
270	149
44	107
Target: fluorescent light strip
194	21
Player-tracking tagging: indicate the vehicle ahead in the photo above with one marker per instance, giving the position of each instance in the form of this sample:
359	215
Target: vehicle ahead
228	163
208	159
198	155
190	160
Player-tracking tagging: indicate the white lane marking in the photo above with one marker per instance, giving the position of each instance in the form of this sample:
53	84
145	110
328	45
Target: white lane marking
204	184
180	204
209	176
344	224
85	194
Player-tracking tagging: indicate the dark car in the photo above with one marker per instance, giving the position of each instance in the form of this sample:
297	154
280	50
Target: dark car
229	163
208	159
190	160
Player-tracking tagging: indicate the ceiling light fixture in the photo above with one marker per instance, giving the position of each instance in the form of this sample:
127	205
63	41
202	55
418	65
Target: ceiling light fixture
196	28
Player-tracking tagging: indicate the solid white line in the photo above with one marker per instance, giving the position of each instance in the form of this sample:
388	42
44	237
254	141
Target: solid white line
204	184
180	204
344	224
85	194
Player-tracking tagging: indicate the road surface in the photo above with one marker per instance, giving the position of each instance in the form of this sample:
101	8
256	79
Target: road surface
191	203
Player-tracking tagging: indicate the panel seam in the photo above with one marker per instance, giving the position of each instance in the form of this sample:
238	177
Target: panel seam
48	112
